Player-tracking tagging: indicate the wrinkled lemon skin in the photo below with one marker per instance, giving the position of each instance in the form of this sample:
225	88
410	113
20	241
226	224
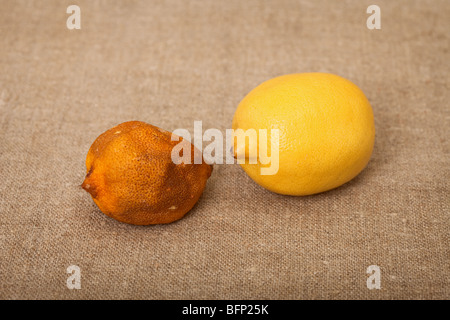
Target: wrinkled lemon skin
326	131
132	178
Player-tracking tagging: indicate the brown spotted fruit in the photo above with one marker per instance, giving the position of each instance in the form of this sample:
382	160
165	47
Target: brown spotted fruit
132	178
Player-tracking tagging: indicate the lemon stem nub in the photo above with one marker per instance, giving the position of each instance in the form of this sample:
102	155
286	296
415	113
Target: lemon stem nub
89	187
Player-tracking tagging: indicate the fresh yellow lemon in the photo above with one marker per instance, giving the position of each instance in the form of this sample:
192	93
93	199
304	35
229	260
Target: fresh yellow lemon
325	128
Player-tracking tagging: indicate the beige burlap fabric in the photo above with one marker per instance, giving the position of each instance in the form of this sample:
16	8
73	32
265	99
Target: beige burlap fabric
172	62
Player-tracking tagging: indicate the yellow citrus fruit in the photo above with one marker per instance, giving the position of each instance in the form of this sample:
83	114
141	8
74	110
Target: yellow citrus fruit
132	178
326	131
